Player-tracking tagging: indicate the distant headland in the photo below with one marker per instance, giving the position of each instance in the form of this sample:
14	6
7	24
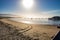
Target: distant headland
55	18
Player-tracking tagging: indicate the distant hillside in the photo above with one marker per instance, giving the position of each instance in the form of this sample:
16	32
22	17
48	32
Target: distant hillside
8	16
55	18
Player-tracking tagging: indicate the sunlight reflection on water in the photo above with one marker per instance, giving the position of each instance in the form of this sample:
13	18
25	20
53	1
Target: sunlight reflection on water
36	21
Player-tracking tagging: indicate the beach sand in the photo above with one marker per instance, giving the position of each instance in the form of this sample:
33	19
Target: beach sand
35	31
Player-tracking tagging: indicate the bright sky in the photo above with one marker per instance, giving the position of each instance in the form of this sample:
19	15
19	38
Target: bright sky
40	8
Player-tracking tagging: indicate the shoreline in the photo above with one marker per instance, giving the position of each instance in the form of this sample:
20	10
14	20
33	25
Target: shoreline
37	30
40	22
32	23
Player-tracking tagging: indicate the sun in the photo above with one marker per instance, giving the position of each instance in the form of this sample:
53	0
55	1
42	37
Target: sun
27	3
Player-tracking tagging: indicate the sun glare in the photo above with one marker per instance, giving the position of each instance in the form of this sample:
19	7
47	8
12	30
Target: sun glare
27	3
26	21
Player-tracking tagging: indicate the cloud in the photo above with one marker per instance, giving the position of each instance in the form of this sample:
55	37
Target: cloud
43	14
50	13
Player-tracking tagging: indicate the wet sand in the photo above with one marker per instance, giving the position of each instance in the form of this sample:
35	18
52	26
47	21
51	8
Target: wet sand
36	31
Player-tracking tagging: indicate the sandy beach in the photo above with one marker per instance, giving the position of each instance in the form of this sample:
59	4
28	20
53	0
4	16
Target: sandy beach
34	31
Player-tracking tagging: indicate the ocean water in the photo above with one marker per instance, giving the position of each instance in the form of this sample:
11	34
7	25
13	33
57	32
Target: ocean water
36	21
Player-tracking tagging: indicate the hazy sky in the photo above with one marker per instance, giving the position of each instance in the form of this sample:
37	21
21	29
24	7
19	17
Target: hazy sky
41	8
